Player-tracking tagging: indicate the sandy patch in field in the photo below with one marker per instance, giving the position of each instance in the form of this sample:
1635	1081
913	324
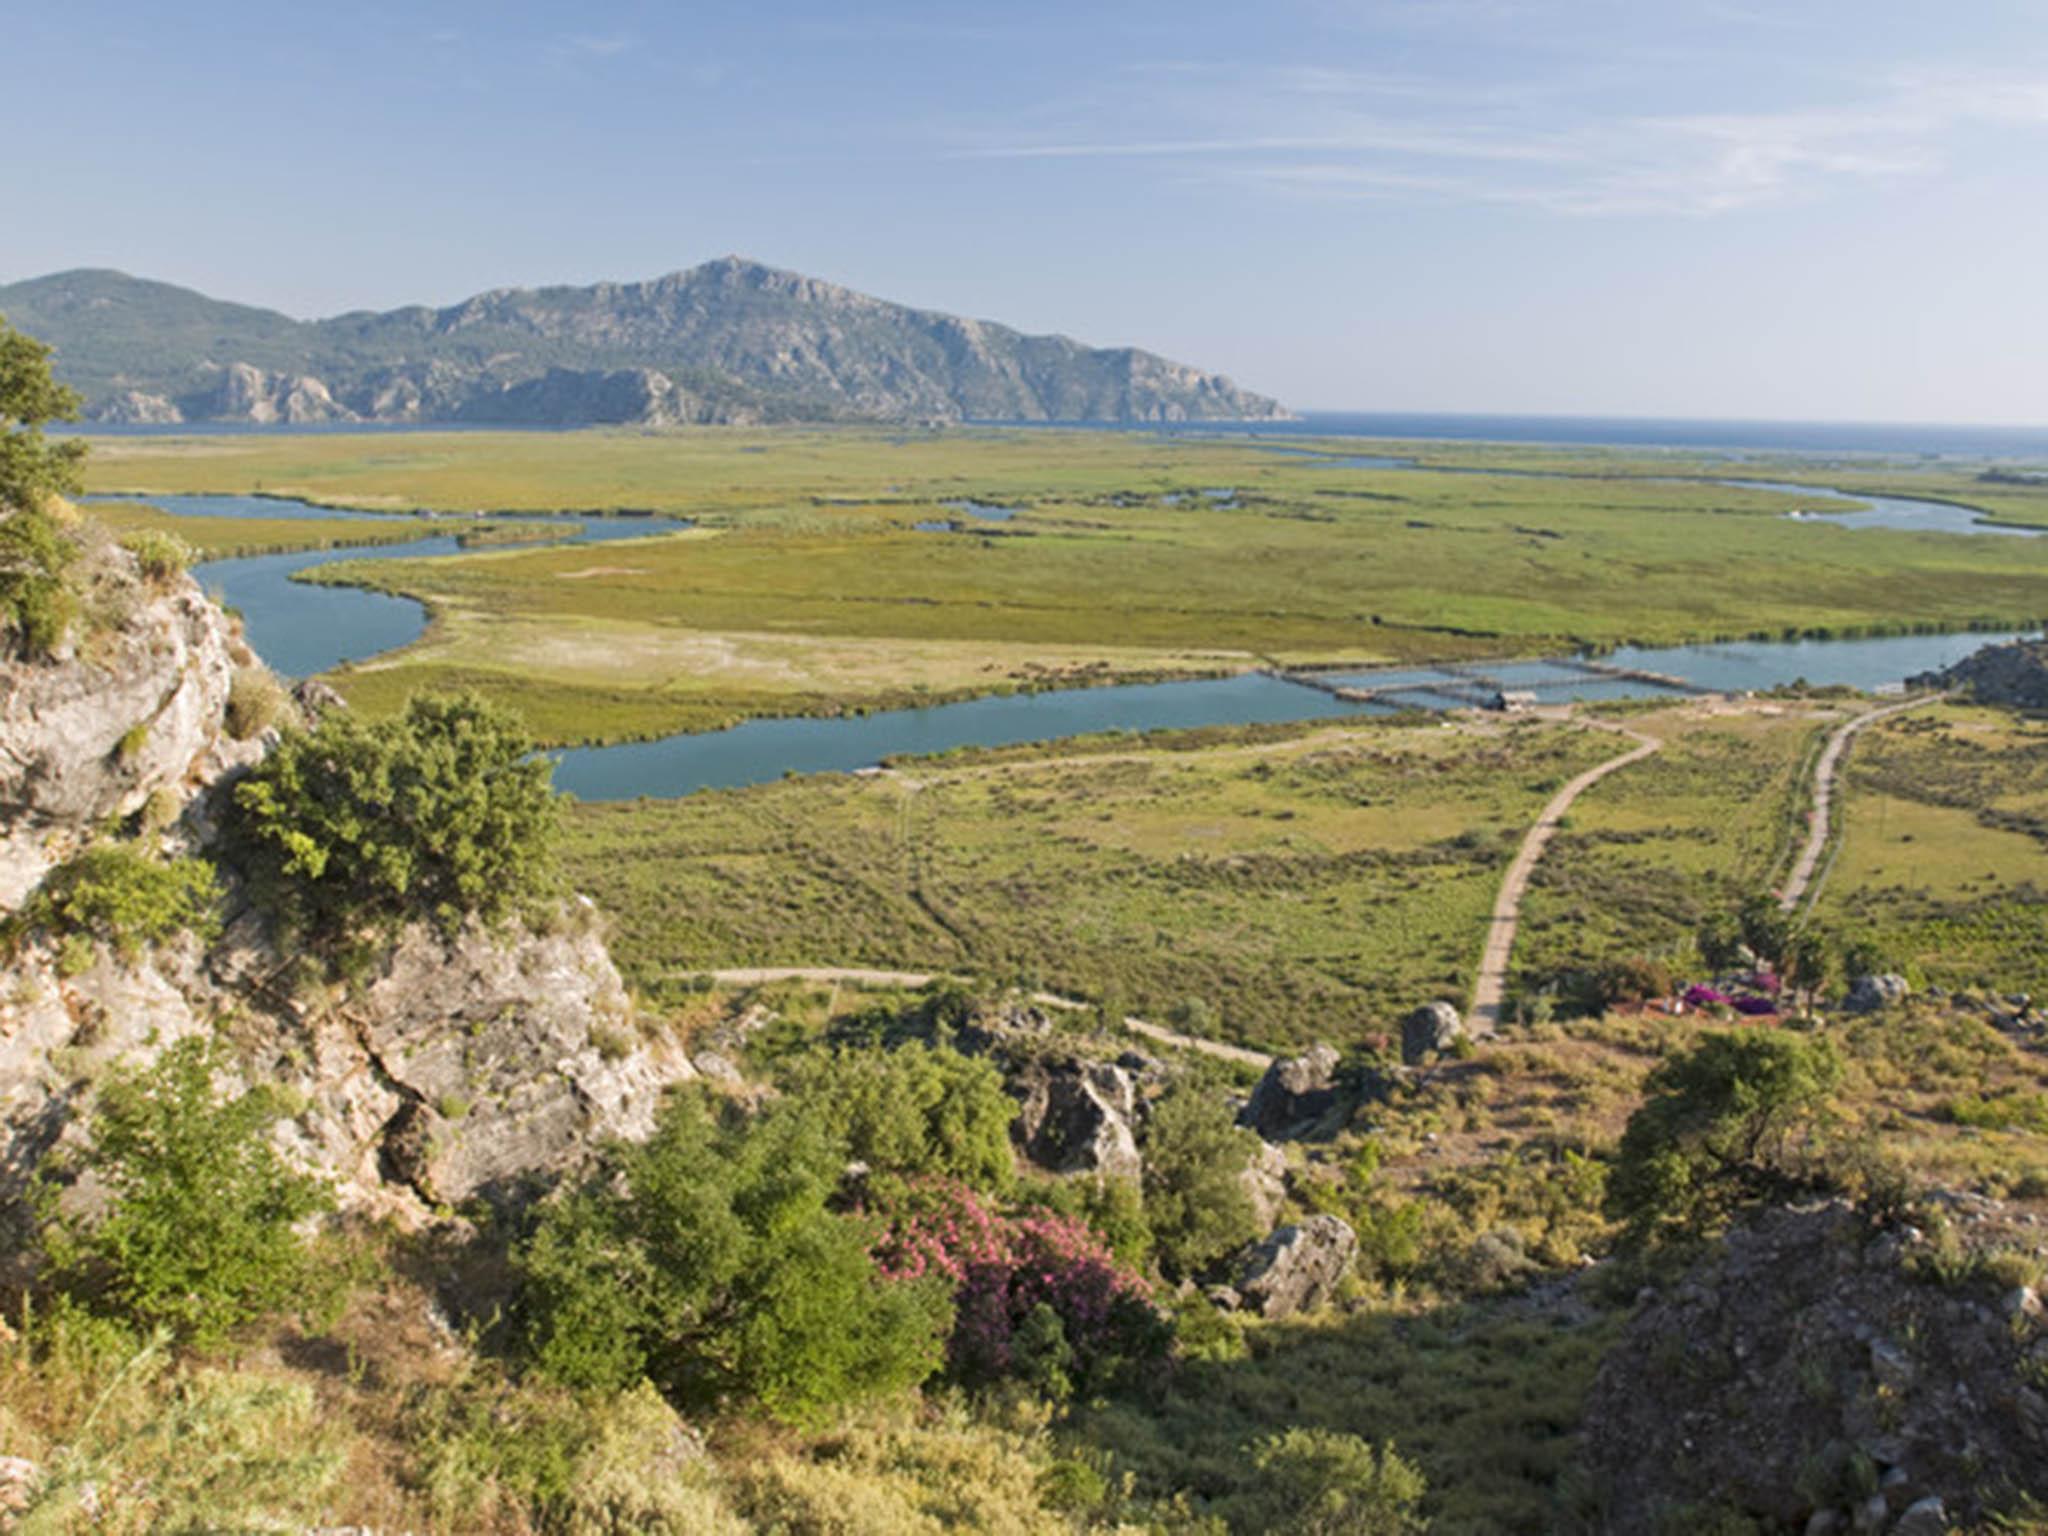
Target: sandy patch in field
661	658
601	570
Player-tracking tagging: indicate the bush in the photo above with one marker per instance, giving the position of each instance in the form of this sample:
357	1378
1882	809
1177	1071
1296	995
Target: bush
256	702
1037	1298
708	1260
442	812
36	599
160	555
916	1110
1318	1482
1195	1200
118	894
1631	979
1729	1123
198	1235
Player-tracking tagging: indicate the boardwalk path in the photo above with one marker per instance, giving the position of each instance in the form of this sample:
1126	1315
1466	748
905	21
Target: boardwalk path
1490	987
1824	793
861	977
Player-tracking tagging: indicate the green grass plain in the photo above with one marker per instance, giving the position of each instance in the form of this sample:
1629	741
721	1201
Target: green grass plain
1944	846
808	588
1299	883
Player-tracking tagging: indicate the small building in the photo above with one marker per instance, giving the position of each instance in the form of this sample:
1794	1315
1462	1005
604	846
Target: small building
1513	701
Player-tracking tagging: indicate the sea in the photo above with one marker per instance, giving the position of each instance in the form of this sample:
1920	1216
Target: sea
1929	440
1729	438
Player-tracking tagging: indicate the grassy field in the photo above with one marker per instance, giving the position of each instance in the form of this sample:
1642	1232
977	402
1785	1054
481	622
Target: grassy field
1944	846
220	538
1289	884
1707	821
810	587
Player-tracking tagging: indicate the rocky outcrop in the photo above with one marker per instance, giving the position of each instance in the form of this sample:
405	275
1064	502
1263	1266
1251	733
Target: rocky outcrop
1872	994
1430	1030
1264	1181
131	407
1076	1116
1297	1269
1805	1376
2015	674
729	341
467	1066
1293	1095
132	710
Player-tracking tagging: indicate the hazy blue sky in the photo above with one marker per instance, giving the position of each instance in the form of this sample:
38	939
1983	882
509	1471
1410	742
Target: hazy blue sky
1817	208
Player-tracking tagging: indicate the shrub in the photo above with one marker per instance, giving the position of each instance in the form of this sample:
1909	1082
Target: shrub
1035	1297
198	1235
1318	1482
1195	1199
161	556
916	1110
116	893
1726	1124
442	812
708	1260
1631	979
256	702
36	599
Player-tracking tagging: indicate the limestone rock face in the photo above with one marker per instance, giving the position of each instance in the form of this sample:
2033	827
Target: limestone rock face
467	1066
1430	1030
94	732
1872	994
1814	1358
1293	1095
1298	1268
2015	674
1077	1117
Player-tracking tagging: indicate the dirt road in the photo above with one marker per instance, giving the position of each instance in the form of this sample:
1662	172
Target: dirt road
1490	987
1824	795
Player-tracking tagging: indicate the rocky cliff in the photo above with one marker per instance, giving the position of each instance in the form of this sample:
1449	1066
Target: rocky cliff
730	341
1815	1375
131	709
455	1066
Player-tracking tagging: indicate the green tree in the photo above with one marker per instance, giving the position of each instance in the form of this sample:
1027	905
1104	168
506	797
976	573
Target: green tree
709	1260
442	812
1812	961
1729	1123
914	1110
1766	928
1720	943
36	552
1195	1199
198	1233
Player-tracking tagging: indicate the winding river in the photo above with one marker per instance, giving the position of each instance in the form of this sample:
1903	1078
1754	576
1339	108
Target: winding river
301	628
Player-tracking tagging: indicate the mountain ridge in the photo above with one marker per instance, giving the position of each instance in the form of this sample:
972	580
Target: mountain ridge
730	341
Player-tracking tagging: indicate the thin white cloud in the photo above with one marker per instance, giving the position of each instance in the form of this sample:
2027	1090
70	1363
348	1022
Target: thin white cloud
606	46
1452	145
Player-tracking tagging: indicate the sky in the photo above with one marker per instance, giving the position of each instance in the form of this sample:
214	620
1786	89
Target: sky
1807	209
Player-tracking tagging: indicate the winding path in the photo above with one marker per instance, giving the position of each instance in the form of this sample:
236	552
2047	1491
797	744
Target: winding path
1817	819
862	976
1489	988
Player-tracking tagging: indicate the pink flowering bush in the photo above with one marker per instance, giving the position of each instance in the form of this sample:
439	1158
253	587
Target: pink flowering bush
1035	1295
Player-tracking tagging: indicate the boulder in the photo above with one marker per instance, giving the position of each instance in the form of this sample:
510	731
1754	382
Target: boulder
1809	1348
1076	1116
1872	994
1265	1183
1430	1030
1298	1268
1293	1095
